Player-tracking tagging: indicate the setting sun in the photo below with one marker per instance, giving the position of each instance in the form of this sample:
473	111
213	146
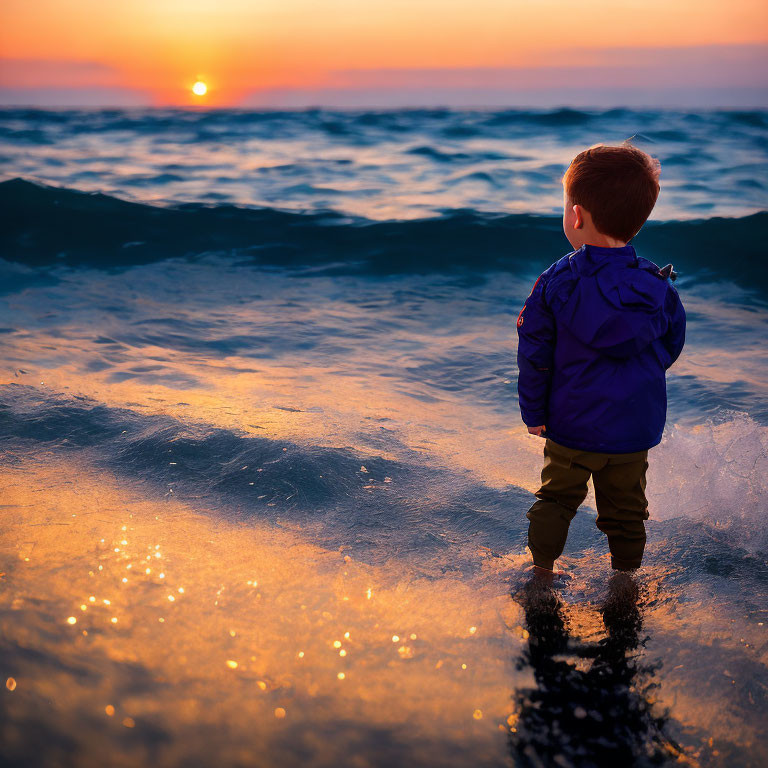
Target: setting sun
199	88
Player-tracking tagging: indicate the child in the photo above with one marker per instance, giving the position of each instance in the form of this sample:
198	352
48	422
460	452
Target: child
596	335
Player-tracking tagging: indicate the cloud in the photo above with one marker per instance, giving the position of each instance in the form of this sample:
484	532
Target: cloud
74	97
697	66
695	76
46	73
386	98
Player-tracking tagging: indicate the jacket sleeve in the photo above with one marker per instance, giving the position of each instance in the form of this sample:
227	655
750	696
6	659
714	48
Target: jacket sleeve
535	353
674	339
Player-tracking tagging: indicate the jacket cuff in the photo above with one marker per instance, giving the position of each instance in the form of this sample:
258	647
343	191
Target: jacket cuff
534	418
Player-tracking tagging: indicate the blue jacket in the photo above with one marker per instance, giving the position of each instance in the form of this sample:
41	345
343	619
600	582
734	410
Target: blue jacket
596	336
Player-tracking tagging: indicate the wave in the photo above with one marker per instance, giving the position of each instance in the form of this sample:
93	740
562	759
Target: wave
47	225
705	484
376	506
332	120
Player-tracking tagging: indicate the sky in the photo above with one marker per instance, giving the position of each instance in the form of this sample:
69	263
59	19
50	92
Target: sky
290	53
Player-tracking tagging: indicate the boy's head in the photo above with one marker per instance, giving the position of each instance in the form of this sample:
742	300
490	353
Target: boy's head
608	194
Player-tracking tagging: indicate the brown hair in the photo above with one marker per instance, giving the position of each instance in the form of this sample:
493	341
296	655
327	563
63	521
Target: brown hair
617	185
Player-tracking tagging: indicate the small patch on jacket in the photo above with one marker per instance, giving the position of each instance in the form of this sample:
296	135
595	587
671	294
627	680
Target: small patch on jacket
520	316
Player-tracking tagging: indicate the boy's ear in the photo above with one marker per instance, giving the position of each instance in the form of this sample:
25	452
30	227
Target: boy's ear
579	220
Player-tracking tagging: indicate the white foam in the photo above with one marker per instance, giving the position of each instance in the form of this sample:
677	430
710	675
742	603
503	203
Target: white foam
716	473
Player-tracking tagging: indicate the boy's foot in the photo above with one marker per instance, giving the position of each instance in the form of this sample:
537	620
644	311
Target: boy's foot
622	588
542	575
621	614
543	616
547	576
535	592
537	584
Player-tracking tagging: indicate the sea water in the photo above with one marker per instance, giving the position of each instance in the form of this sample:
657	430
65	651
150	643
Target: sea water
263	479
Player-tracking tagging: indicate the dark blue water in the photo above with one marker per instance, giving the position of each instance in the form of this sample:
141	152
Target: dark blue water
264	364
384	164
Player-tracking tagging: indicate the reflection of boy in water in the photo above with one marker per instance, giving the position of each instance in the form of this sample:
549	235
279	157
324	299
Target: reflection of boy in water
598	717
596	335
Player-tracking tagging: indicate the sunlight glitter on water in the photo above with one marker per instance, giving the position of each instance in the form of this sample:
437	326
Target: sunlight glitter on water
165	676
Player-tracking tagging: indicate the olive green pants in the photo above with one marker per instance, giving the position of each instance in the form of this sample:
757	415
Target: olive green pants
619	480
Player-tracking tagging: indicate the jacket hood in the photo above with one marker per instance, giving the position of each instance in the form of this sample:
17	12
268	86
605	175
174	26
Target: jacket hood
617	305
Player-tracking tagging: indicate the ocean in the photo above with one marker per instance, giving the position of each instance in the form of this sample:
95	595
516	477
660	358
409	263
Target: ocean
263	478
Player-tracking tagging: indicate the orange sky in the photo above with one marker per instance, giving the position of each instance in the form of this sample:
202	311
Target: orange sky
241	46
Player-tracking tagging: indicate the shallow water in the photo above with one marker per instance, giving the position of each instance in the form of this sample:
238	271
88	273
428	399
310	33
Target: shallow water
306	434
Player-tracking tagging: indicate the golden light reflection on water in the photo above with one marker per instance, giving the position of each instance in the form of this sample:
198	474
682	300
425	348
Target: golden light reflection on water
260	634
163	618
227	649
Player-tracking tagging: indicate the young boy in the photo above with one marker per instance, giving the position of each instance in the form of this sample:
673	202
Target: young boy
596	335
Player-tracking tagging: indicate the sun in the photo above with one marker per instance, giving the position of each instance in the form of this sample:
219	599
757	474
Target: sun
199	88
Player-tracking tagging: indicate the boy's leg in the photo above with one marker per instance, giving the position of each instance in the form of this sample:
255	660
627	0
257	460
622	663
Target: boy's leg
563	488
622	507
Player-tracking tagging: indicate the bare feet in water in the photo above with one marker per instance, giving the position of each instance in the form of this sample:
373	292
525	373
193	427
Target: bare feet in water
547	576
